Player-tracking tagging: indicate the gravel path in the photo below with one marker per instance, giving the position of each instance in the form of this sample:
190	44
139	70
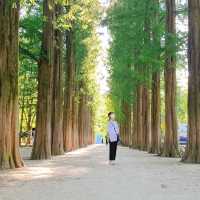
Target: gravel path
85	175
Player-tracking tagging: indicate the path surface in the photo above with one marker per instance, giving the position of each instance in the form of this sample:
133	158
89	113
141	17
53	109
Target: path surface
85	175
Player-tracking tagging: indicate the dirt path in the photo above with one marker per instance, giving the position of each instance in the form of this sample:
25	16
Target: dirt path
85	175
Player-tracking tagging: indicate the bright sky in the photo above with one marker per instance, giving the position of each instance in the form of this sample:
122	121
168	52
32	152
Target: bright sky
102	72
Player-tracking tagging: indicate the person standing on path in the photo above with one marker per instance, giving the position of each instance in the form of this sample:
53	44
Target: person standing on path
113	133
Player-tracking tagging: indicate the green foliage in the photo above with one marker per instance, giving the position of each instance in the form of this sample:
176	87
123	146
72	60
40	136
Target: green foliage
139	47
29	45
82	17
87	50
136	29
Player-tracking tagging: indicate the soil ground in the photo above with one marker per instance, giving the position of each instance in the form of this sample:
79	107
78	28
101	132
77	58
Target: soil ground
85	175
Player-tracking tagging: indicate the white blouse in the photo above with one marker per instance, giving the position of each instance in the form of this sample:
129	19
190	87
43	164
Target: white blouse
113	130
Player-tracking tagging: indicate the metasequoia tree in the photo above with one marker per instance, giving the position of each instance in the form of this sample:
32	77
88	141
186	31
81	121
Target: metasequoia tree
9	18
68	92
42	144
171	141
192	153
79	85
146	122
154	146
57	101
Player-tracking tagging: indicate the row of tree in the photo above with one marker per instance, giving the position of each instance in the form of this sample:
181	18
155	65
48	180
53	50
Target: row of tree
144	44
63	31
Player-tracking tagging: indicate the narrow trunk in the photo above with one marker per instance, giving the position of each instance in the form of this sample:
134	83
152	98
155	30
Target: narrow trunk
9	144
57	102
68	93
86	122
139	117
192	153
29	115
155	115
154	146
42	143
134	126
81	117
22	115
171	143
145	119
127	124
146	122
75	120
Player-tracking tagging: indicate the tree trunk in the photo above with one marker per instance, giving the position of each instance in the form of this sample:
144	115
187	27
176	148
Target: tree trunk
29	114
9	144
171	143
134	126
86	122
57	102
22	115
68	95
81	117
127	123
145	119
42	143
154	146
75	120
139	117
155	115
193	147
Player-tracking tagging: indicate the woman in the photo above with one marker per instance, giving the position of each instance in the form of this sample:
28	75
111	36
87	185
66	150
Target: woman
113	133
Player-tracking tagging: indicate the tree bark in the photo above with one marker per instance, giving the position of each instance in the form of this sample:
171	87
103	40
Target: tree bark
155	114
145	119
22	115
69	92
139	117
134	126
81	119
192	153
9	144
42	142
154	146
171	142
75	119
57	102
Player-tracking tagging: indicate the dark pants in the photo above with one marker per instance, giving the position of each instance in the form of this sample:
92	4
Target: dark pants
113	150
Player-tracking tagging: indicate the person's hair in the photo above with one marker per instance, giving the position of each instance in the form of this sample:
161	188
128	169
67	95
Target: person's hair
109	114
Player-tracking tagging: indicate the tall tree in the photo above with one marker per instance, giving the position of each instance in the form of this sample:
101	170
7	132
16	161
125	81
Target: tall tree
193	147
75	111
171	141
68	94
9	22
154	146
42	143
146	122
155	115
81	119
57	102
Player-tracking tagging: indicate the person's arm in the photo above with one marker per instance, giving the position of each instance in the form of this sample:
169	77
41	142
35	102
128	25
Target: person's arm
109	129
